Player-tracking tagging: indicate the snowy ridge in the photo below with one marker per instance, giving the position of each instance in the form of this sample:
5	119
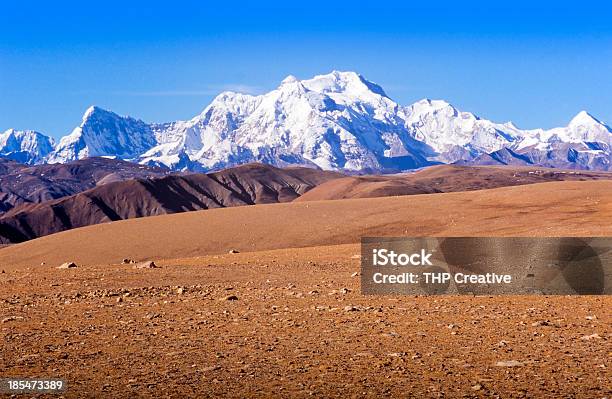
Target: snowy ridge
337	121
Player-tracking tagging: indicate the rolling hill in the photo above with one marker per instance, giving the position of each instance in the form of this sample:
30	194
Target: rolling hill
546	209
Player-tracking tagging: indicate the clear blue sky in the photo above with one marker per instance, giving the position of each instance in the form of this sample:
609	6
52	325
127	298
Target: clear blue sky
535	63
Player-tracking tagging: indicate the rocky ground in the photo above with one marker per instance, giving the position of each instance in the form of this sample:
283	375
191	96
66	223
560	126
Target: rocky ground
291	323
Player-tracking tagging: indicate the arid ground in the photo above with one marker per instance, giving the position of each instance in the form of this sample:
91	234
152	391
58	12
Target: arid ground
284	316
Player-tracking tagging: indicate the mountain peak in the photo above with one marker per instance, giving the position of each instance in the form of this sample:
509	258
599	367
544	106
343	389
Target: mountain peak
25	146
95	111
91	109
345	75
346	82
22	133
434	105
289	80
583	118
104	133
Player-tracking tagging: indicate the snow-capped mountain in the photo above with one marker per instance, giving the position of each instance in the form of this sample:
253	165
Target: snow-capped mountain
104	133
338	121
28	147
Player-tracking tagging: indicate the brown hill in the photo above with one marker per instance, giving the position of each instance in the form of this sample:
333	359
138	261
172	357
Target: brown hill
547	209
443	179
22	184
243	185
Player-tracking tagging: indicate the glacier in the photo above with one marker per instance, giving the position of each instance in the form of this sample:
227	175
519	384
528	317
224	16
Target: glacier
337	121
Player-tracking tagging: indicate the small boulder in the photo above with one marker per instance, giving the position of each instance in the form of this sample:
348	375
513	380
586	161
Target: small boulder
231	298
508	363
127	261
11	318
590	337
234	251
67	265
149	264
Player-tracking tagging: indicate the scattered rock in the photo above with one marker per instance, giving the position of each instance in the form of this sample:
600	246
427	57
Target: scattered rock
28	358
119	299
11	318
67	265
356	274
149	264
234	251
350	308
127	261
540	323
391	334
356	256
590	337
180	290
476	387
508	363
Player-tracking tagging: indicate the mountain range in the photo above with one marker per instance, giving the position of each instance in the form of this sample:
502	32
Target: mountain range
339	121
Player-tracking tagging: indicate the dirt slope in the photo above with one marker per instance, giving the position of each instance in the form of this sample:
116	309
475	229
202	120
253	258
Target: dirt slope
443	179
547	209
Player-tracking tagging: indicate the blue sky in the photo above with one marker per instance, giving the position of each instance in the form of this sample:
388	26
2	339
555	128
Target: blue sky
535	63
